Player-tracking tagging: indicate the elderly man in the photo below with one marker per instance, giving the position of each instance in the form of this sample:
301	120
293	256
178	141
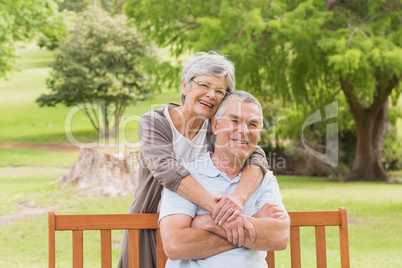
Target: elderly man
237	126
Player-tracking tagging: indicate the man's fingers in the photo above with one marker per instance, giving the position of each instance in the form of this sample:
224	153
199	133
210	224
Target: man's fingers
234	215
241	236
230	236
235	237
250	229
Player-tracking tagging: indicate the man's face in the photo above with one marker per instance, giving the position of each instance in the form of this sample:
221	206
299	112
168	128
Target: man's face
239	130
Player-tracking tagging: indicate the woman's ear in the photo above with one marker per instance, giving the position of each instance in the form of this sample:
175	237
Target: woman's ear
183	88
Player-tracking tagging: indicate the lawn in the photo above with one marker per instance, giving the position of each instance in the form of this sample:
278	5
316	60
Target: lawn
374	211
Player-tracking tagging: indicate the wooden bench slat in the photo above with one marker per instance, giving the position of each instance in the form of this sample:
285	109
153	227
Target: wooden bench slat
344	239
107	221
320	245
78	250
51	239
106	248
315	218
135	222
161	258
295	247
270	259
133	249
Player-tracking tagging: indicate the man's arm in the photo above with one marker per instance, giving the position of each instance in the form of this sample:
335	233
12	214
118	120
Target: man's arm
183	242
271	225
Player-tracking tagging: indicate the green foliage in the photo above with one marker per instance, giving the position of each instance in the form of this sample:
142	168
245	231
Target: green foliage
73	5
296	49
102	61
108	4
53	30
21	20
305	52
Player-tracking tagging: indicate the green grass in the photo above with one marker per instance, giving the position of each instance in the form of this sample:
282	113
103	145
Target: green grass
374	211
35	158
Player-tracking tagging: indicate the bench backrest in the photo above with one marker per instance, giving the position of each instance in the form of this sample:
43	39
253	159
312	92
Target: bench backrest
317	219
134	222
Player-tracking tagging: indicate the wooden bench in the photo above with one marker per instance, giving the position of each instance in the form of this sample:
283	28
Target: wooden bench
134	222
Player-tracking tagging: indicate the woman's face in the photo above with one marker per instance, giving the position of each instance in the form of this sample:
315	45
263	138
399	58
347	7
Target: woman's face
202	100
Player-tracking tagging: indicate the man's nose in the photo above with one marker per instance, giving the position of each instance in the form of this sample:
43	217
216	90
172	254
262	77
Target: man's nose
243	128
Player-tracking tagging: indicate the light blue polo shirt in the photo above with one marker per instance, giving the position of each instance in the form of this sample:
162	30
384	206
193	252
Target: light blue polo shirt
216	182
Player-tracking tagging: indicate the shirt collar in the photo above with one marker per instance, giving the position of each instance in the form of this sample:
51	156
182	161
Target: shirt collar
209	169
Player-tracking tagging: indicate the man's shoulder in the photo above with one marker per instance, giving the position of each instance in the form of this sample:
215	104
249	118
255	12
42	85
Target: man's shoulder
201	164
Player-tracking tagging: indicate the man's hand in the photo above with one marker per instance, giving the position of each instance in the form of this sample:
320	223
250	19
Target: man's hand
228	208
271	211
235	230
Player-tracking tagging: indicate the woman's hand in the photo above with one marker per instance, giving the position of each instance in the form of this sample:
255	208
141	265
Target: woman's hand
228	208
235	230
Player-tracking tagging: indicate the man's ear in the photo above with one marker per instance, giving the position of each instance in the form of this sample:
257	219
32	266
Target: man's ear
214	124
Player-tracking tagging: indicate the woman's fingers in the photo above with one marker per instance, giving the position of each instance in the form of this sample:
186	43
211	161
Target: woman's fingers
234	216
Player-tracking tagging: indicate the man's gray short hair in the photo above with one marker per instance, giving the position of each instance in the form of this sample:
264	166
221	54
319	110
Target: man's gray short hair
211	63
240	95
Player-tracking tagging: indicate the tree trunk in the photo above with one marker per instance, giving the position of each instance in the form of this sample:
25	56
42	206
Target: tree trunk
371	126
105	133
97	173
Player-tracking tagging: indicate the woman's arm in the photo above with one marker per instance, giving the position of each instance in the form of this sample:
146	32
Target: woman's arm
253	172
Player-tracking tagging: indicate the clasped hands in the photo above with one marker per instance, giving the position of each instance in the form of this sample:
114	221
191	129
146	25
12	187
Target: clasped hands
227	214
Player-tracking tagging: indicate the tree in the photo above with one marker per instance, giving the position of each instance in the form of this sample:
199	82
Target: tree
21	20
73	5
306	52
101	61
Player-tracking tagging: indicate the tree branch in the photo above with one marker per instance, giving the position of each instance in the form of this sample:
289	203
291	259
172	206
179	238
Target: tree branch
188	8
354	104
382	94
332	4
234	40
357	29
90	118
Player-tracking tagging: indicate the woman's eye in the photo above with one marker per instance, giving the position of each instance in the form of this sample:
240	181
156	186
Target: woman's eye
220	92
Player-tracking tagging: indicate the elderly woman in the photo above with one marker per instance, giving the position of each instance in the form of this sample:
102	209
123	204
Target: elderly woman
177	134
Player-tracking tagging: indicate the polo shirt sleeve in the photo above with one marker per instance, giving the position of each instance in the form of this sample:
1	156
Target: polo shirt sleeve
270	192
173	203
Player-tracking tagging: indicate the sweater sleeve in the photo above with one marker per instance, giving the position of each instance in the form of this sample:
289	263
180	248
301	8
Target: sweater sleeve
156	149
258	158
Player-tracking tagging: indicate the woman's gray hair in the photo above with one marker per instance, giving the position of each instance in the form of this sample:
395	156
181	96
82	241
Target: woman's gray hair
211	63
240	95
